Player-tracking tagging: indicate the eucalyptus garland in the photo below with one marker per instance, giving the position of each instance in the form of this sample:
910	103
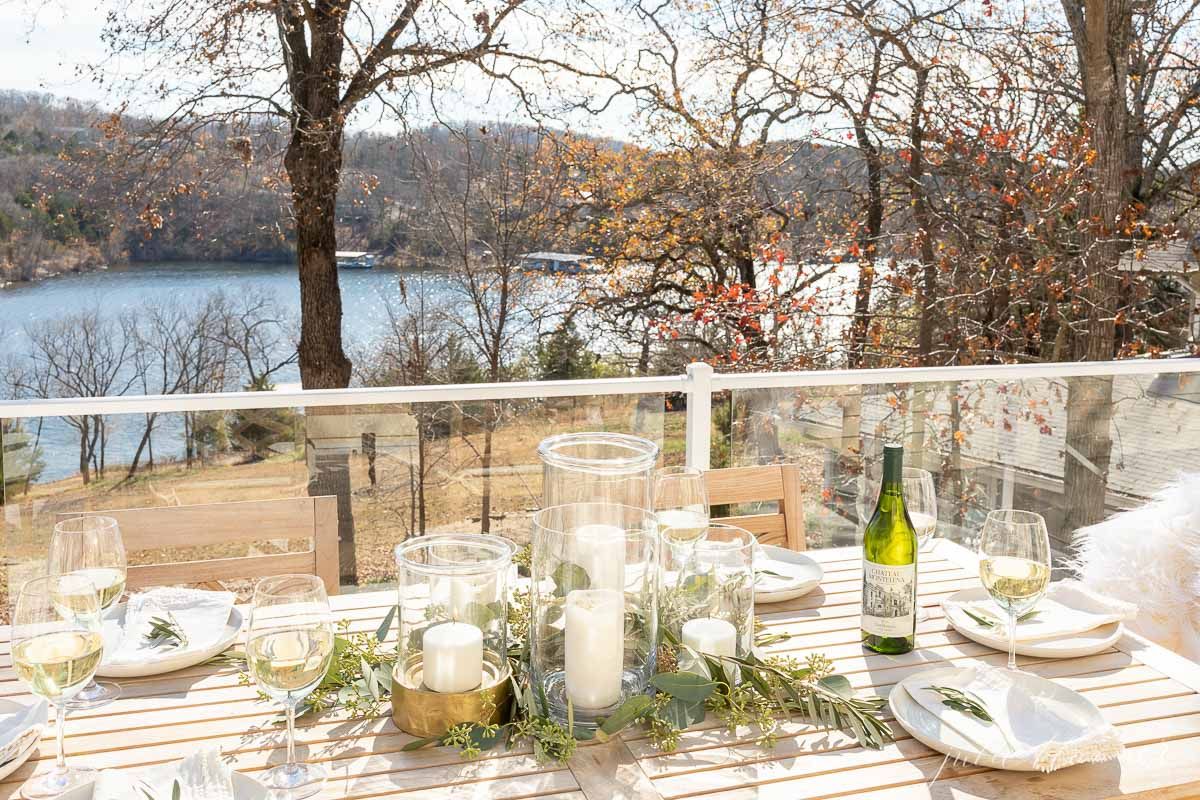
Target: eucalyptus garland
751	691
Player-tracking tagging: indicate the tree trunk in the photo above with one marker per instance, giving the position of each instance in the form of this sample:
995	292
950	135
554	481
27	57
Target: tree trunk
84	471
314	161
485	461
867	240
1102	33
422	431
137	455
1088	452
927	287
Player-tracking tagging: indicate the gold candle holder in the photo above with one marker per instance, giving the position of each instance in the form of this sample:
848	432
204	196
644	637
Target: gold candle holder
423	712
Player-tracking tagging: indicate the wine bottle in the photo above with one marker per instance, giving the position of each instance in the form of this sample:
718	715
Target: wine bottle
889	620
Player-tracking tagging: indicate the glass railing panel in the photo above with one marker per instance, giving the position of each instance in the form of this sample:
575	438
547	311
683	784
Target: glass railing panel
1074	449
397	470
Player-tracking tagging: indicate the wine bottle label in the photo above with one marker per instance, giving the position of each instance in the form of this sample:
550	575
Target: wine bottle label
889	594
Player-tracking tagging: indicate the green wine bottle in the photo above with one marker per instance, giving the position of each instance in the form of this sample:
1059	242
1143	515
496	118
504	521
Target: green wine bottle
889	620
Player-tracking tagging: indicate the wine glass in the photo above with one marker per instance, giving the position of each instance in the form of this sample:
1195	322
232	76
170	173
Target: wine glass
289	645
920	500
1014	565
91	547
681	512
681	504
57	647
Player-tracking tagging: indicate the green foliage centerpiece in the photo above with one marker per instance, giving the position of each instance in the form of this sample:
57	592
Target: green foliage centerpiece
595	638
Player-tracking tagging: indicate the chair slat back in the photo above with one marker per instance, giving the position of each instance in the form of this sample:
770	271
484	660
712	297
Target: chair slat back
211	524
778	483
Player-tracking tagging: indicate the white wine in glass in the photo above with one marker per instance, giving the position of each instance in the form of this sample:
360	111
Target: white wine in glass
56	649
1014	565
91	547
680	505
289	645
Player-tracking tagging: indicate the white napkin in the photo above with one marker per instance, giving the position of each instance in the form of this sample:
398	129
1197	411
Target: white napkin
21	721
200	614
1068	609
201	776
1039	730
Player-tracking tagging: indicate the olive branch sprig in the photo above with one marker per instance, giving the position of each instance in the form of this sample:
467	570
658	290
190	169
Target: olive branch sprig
165	633
959	700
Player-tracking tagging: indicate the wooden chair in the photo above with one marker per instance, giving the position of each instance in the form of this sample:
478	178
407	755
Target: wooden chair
779	483
224	523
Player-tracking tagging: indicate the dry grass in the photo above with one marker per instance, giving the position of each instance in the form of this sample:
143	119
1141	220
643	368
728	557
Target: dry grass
382	513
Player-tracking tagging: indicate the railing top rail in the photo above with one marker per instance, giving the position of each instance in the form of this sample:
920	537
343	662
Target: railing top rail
998	372
524	390
295	398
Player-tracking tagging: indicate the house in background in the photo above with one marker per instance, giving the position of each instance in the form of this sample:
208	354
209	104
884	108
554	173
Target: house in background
356	259
1178	263
557	262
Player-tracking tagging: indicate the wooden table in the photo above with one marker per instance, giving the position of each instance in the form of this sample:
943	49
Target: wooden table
1150	694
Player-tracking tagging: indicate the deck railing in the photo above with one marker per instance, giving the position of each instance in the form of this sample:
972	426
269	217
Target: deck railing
1037	435
698	385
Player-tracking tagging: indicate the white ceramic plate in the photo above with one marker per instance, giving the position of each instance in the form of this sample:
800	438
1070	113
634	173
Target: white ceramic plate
244	788
30	716
10	766
1089	643
158	662
803	574
929	731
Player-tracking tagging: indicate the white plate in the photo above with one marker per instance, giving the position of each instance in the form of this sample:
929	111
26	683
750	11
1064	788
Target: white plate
929	731
244	788
804	574
163	660
10	766
1088	643
33	717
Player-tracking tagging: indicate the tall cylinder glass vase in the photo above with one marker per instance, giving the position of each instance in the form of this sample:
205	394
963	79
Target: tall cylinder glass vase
594	631
598	467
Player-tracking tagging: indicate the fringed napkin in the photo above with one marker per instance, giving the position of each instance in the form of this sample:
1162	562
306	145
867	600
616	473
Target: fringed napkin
1068	609
201	776
200	615
1037	730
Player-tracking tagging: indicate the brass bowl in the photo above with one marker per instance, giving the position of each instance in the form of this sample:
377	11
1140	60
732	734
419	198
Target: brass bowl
423	712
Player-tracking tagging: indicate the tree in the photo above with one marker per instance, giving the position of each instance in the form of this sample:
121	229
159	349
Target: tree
419	348
495	199
564	355
82	354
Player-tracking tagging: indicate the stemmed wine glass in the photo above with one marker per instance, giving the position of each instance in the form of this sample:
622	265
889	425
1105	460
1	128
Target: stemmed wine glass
681	510
57	647
920	500
91	547
289	645
1014	565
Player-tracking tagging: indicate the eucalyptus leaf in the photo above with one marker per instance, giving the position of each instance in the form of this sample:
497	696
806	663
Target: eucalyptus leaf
567	577
385	627
682	714
687	686
626	714
417	744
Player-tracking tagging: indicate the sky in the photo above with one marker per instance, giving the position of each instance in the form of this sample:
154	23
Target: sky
42	41
47	45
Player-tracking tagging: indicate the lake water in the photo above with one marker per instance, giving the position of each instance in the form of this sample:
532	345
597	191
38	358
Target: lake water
364	296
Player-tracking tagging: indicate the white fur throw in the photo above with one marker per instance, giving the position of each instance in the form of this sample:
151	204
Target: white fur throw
1151	556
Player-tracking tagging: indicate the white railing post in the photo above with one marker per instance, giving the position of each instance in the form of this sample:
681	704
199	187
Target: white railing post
698	433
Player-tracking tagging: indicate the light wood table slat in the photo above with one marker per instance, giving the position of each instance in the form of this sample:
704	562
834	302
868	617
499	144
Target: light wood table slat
1150	694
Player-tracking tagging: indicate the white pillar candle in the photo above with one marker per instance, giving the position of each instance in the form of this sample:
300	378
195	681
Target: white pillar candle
712	637
600	551
453	660
595	646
